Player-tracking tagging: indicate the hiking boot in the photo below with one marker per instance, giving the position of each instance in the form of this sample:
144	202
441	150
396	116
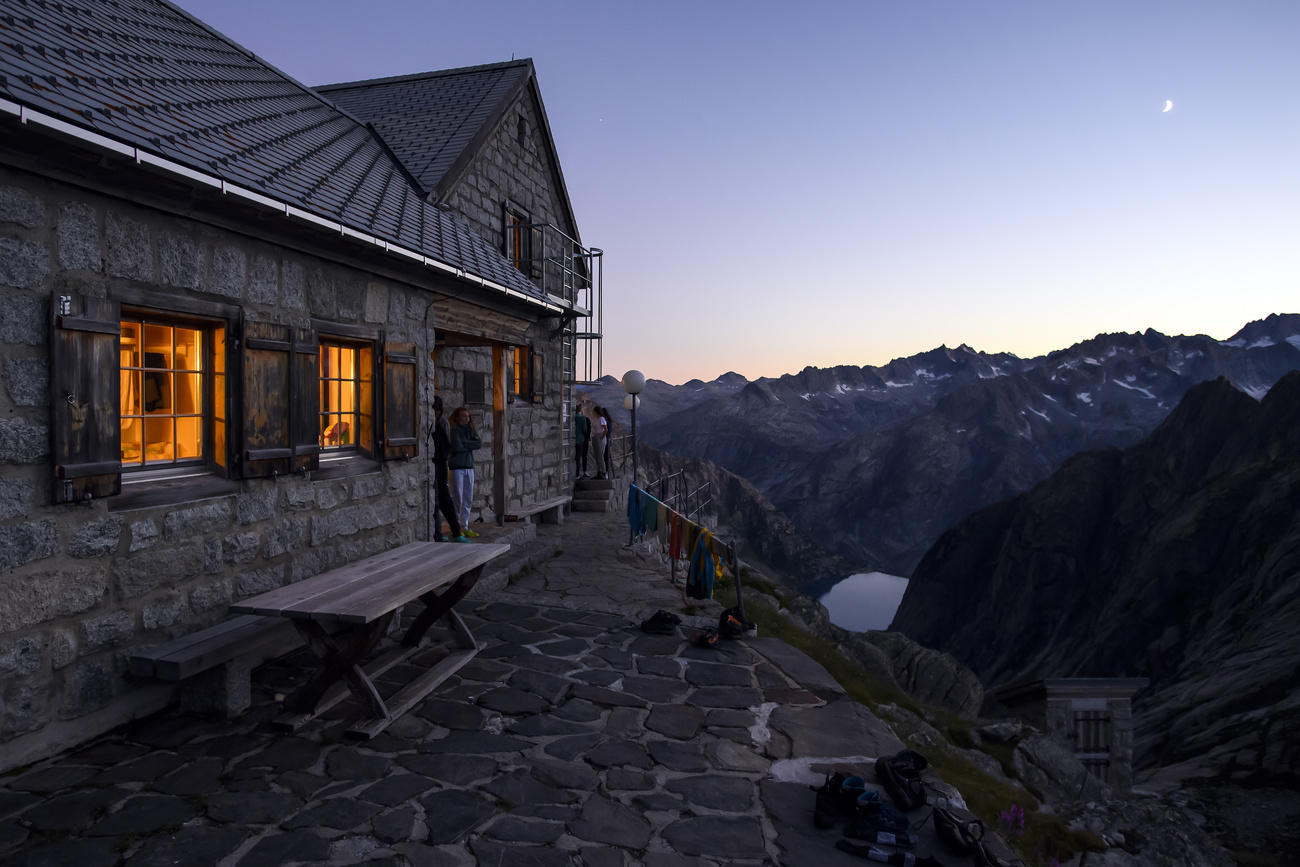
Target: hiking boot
732	625
837	798
661	623
707	639
879	822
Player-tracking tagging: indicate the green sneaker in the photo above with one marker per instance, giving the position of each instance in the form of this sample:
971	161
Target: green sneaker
470	533
463	539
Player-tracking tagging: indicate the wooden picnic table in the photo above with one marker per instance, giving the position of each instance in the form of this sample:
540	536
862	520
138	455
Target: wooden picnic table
342	614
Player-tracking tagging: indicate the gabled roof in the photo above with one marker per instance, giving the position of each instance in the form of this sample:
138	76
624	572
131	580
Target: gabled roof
431	119
435	122
147	74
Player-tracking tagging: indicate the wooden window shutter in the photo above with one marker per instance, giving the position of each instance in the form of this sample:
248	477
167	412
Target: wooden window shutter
304	423
281	400
536	378
510	234
85	390
401	405
536	252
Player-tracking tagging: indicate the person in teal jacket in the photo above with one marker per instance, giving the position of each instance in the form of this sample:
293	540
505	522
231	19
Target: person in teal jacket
464	440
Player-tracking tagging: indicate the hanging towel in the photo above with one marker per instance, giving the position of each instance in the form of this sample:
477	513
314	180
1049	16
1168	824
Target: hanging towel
703	572
650	513
634	510
675	536
665	530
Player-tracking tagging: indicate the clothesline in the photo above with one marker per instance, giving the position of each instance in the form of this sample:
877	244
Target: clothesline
683	539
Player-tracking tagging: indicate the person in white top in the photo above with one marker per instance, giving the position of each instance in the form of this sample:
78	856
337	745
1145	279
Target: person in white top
599	433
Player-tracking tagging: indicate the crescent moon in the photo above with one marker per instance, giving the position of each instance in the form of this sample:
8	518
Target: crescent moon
1169	104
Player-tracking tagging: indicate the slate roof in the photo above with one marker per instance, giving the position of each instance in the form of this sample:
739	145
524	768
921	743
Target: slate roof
148	74
431	119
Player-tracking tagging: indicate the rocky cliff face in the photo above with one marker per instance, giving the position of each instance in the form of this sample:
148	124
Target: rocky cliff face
879	461
1177	559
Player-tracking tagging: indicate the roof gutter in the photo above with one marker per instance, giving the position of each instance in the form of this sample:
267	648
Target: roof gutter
145	158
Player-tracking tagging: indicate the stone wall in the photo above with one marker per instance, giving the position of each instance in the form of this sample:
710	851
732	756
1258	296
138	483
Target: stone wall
81	585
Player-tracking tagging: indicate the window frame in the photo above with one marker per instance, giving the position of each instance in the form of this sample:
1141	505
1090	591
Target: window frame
368	340
209	459
522	241
527	371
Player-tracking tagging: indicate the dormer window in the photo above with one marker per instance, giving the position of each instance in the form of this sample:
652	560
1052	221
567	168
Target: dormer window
523	240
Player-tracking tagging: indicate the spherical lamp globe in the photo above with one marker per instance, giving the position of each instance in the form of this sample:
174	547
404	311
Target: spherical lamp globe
633	382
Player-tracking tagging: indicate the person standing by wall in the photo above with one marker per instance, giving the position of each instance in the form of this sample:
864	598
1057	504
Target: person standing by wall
442	494
599	433
464	440
607	425
581	433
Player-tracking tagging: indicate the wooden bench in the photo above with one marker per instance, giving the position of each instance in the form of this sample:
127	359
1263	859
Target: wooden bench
214	664
548	511
360	600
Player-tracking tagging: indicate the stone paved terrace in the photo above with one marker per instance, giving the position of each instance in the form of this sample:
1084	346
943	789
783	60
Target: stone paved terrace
572	739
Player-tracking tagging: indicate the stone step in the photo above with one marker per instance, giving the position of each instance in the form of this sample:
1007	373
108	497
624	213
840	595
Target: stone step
591	495
523	555
594	485
591	505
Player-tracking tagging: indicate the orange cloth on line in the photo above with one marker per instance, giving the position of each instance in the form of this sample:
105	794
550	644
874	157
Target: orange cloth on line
675	536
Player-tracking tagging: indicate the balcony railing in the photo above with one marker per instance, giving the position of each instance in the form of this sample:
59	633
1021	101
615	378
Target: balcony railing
573	274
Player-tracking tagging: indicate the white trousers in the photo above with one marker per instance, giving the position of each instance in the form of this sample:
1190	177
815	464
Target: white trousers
462	494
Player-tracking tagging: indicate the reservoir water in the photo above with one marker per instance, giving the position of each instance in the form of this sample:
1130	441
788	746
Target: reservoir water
864	601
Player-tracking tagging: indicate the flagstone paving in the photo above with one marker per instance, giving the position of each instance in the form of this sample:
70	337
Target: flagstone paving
571	739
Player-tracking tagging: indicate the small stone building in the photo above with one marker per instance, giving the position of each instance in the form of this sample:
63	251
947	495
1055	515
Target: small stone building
1093	715
226	303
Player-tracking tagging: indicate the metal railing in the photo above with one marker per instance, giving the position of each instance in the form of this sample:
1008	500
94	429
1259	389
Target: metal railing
575	274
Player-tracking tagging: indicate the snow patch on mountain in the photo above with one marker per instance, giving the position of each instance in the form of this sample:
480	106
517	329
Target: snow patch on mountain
1139	389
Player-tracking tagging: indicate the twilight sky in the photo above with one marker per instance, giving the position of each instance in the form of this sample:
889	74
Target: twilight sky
777	184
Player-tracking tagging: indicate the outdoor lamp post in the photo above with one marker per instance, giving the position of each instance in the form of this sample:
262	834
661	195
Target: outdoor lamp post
633	384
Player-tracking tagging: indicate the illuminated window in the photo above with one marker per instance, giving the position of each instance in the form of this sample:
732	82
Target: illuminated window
526	381
517	239
524	240
167	370
519	384
346	396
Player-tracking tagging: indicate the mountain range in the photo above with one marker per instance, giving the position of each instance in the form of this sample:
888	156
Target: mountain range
876	462
1176	559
